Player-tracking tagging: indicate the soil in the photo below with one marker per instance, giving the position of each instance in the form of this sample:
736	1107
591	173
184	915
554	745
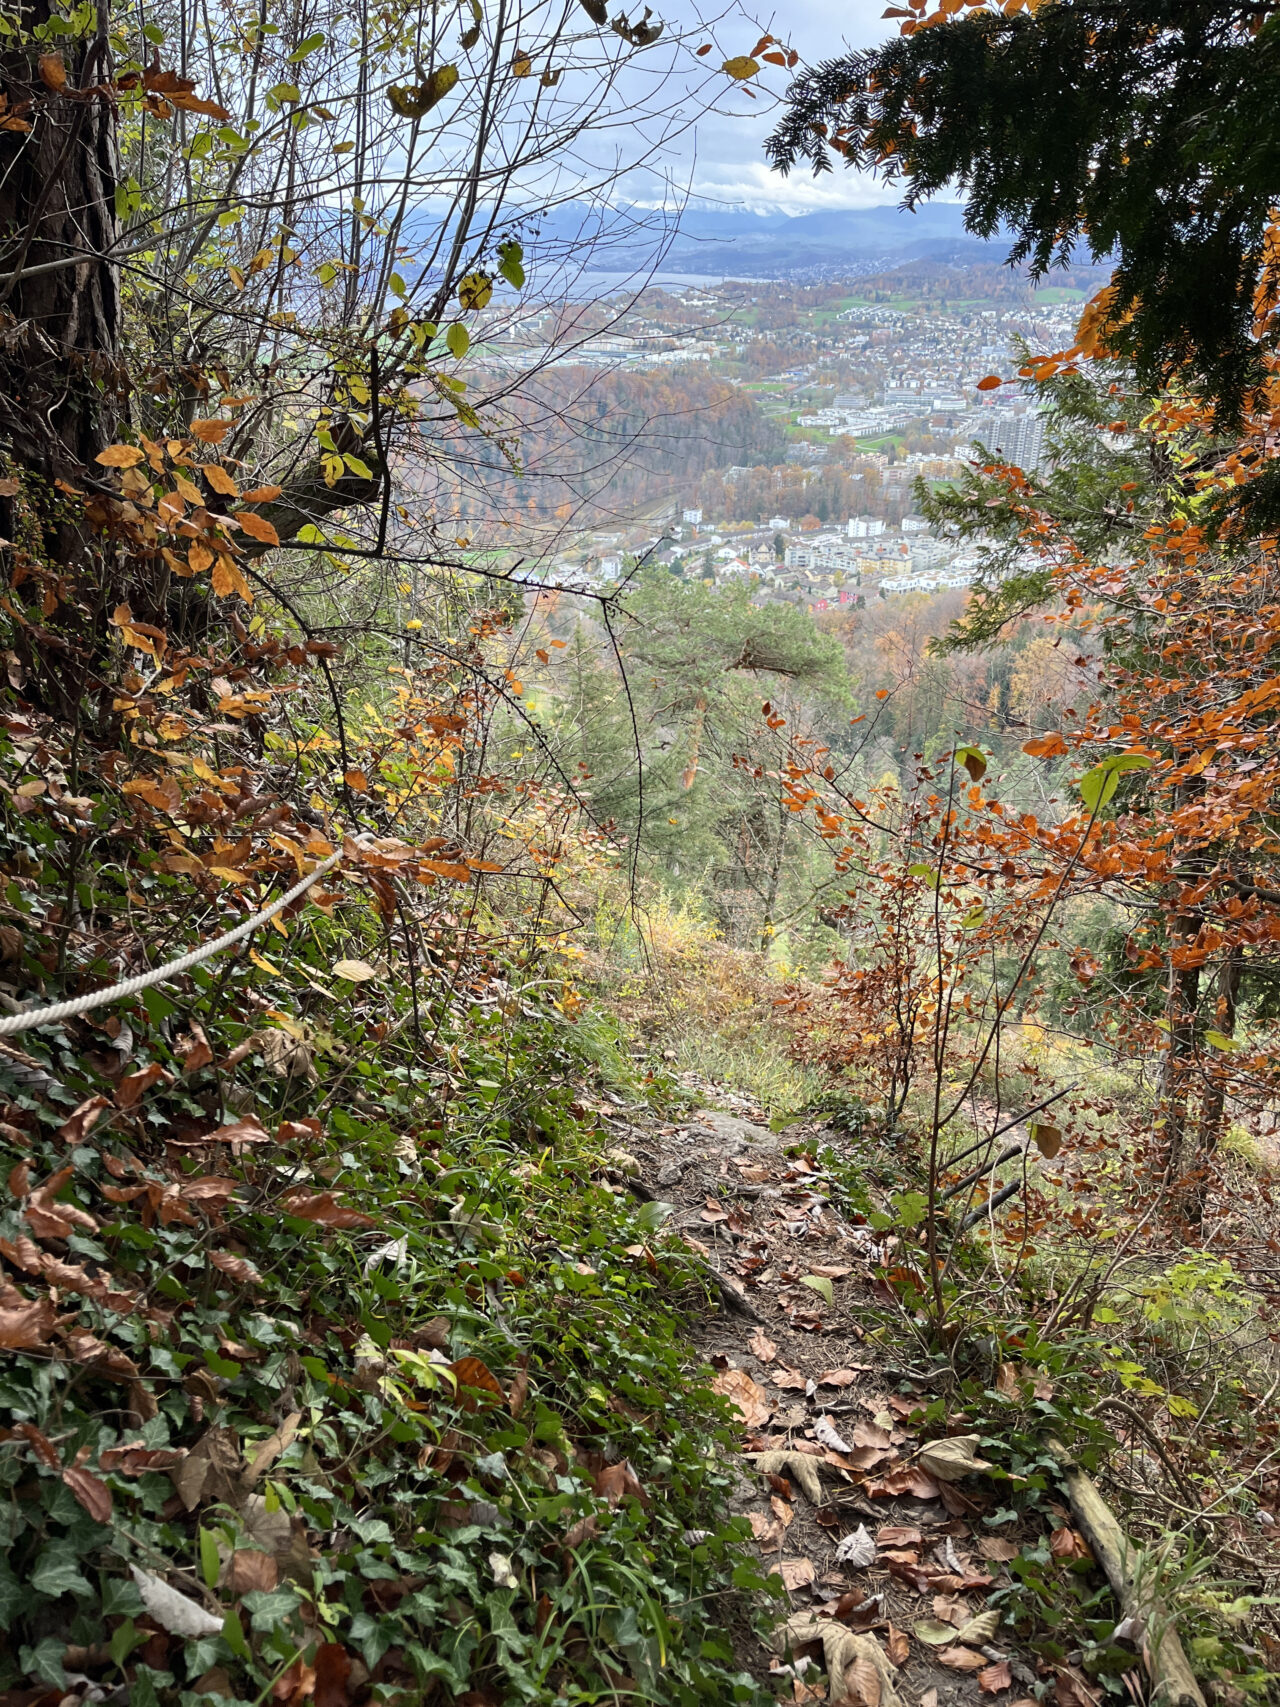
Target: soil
807	1380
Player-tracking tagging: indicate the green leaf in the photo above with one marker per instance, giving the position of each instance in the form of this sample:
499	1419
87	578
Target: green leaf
1220	1040
125	1638
45	1661
357	467
12	1598
974	761
233	1635
210	1563
1098	785
56	1572
821	1285
973	918
309	46
457	340
652	1215
910	1208
511	262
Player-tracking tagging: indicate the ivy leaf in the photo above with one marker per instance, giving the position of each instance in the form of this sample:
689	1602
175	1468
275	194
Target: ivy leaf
56	1572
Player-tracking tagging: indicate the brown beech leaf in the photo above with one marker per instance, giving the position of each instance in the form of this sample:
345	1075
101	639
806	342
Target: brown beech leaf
76	1127
199	1055
585	1529
239	1268
53	74
108	1360
961	1659
24	1327
519	1386
617	1482
796	1573
247	1131
899	1645
746	1396
140	1460
837	1378
248	1570
898	1535
333	1670
765	1529
791	1380
41	1445
323	1208
475	1378
995	1547
93	1495
762	1347
992	1679
862	1683
1068	1545
131	1088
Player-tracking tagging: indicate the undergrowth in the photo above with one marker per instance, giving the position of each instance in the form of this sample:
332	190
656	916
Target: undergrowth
373	1392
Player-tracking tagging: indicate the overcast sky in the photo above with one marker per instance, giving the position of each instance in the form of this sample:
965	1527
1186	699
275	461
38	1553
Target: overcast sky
726	158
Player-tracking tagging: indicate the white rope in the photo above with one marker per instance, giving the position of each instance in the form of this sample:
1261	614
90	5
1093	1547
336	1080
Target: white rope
144	980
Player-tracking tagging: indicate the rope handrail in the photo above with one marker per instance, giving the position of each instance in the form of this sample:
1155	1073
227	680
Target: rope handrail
34	1017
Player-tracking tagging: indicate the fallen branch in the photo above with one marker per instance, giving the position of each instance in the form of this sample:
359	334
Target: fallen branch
1172	1682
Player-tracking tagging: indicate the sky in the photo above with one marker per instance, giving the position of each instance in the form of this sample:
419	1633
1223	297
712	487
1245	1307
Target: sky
724	158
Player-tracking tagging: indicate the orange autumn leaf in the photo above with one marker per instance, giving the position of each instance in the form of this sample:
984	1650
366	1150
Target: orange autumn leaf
257	527
219	479
227	579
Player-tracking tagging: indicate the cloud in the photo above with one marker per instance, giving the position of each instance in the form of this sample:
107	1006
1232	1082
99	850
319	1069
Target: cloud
750	184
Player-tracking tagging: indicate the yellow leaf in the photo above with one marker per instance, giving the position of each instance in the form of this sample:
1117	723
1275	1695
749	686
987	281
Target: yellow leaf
475	291
199	557
257	527
228	873
219	479
188	491
742	67
119	456
228	579
262	961
354	971
521	65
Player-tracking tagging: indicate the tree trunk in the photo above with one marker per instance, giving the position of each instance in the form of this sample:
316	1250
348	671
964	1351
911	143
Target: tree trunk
62	381
60	372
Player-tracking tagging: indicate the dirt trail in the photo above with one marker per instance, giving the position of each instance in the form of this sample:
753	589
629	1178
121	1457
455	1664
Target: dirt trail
878	1545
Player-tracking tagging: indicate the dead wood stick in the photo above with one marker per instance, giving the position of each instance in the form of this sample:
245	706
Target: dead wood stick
1172	1682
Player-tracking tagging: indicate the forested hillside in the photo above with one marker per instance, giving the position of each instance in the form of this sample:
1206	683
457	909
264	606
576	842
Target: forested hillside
655	1138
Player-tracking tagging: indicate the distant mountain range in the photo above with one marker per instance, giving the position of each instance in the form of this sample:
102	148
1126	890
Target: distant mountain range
772	245
716	242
